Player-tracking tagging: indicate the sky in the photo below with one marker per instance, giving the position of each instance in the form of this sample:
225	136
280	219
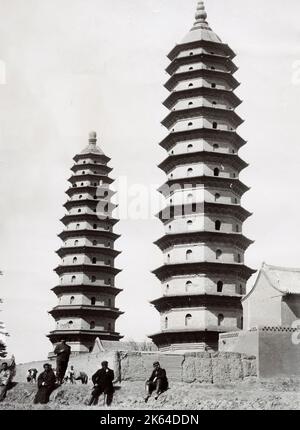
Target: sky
71	66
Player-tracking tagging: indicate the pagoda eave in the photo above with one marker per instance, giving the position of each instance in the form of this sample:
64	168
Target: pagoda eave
198	73
86	268
168	270
179	61
200	43
88	217
85	288
88	189
195	112
83	335
202	156
187	135
67	234
70	204
88	250
72	311
104	170
170	212
167	303
173	185
227	95
95	156
91	177
236	239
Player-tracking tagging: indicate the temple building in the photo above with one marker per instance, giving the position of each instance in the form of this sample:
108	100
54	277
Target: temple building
204	275
86	291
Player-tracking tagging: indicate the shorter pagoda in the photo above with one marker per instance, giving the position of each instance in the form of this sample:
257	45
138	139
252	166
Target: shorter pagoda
86	292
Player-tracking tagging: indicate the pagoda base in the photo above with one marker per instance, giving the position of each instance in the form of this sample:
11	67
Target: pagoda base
81	341
180	341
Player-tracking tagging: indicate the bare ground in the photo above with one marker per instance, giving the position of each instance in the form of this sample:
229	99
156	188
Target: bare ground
256	395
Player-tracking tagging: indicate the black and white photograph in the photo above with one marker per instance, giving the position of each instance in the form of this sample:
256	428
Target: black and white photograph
149	192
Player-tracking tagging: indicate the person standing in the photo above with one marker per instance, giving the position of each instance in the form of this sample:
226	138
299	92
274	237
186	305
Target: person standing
103	384
5	379
46	384
62	352
158	382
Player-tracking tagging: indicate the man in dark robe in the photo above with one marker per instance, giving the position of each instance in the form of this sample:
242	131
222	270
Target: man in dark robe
103	384
62	352
46	385
5	379
158	382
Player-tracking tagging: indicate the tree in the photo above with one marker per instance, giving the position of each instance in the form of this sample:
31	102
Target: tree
3	352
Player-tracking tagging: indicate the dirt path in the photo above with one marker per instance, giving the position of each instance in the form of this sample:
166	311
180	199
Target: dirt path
271	395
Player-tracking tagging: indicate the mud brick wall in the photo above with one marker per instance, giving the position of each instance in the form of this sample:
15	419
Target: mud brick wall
190	367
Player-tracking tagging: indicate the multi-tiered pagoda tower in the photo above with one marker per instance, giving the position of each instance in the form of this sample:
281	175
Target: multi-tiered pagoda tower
86	291
204	276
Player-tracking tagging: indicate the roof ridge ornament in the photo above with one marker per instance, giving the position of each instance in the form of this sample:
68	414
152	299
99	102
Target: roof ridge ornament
93	137
201	17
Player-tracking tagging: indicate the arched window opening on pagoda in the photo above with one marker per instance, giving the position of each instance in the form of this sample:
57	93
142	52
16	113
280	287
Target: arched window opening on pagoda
170	227
213	85
215	125
220	319
95	197
218	254
216	172
75	260
217	197
216	146
190	148
189	255
72	300
70	323
166	322
82	184
191	85
106	194
239	258
190	172
84	162
188	320
220	287
80	197
213	68
190	124
189	224
108	281
190	198
77	226
73	279
191	53
93	301
94	260
79	211
218	225
76	243
95	226
94	243
237	229
94	279
188	286
83	173
169	258
168	288
191	103
95	184
214	103
191	68
92	325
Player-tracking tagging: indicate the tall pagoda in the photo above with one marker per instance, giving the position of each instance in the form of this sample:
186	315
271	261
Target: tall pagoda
86	292
203	276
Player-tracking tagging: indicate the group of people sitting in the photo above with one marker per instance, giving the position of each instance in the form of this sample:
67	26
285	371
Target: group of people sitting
103	380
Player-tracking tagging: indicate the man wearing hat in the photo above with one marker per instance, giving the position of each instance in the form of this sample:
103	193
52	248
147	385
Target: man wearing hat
158	382
62	352
46	384
103	384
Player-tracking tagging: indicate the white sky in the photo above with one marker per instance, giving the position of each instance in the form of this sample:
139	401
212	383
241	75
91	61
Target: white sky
77	65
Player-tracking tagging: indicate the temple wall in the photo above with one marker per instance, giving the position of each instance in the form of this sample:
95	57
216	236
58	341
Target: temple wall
137	366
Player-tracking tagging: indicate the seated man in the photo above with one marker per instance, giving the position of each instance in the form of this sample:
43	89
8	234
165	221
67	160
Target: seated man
5	379
158	382
103	384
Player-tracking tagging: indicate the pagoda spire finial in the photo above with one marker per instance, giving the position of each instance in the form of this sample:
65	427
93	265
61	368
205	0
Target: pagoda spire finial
93	137
200	17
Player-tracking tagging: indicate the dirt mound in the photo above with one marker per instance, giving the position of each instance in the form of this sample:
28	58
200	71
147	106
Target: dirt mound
276	395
